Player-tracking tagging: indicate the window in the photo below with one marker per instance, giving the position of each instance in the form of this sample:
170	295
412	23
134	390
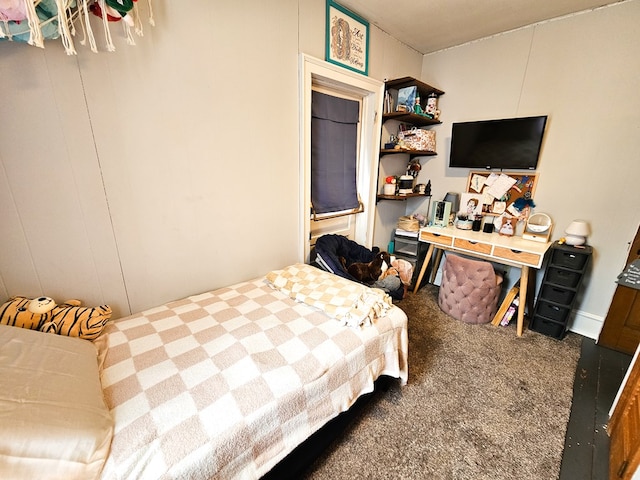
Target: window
317	75
334	155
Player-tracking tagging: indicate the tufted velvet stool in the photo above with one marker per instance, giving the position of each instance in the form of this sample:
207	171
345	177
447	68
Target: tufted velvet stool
469	290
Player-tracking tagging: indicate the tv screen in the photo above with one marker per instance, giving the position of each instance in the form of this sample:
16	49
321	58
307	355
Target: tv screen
511	143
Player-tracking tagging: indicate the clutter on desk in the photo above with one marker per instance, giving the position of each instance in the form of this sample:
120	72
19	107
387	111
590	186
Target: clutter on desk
440	214
454	199
463	222
504	224
538	227
471	204
422	220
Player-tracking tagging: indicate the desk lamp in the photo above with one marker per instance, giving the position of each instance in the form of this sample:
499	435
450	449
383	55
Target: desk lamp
577	233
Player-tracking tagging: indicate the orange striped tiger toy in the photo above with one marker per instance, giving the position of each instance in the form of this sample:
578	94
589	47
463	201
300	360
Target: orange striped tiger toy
43	314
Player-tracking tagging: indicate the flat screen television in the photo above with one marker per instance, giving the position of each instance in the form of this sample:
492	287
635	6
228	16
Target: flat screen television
510	143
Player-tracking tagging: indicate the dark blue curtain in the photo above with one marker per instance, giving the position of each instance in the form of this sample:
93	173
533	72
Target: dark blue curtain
334	130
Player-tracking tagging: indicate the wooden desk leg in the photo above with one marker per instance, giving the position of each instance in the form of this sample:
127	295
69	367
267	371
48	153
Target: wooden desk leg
524	287
506	303
427	258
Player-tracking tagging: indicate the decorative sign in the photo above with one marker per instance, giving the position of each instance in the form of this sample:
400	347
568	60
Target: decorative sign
347	39
630	277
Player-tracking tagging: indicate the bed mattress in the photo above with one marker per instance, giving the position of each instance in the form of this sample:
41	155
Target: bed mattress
226	383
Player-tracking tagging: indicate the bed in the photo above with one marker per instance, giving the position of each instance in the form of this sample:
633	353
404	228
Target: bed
225	384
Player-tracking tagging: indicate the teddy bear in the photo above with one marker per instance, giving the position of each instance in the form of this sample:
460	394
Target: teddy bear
43	314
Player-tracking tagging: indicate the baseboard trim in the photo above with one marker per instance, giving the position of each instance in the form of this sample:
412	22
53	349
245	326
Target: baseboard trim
586	324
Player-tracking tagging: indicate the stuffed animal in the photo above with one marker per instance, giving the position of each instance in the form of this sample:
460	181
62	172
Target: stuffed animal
42	313
400	268
25	313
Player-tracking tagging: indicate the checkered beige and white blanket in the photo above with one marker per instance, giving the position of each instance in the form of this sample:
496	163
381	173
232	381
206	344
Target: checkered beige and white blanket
351	303
226	383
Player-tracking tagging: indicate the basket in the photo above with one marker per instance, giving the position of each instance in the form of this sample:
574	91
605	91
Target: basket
408	224
418	139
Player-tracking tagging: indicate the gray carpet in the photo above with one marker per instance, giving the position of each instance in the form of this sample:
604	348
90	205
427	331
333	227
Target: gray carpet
480	403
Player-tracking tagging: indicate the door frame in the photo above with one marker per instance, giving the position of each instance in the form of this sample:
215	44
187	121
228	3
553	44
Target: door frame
315	72
615	333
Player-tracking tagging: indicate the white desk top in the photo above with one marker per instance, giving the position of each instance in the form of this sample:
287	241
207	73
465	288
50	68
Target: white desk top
513	242
513	250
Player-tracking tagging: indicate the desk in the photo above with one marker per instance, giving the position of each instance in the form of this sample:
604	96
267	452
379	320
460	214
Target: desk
514	251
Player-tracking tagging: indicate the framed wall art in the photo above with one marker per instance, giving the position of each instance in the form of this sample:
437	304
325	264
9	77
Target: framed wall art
347	39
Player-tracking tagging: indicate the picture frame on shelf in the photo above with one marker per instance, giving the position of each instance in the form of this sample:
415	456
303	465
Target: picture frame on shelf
346	39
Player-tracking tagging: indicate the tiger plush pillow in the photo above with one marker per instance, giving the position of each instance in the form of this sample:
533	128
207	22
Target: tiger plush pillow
69	318
16	312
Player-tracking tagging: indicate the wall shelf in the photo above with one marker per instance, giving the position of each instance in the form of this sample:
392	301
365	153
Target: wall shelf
424	88
401	198
411	118
413	153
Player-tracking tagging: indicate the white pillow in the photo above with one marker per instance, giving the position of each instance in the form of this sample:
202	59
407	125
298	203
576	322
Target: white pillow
53	419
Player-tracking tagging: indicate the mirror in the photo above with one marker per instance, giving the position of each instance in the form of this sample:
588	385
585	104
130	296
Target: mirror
538	227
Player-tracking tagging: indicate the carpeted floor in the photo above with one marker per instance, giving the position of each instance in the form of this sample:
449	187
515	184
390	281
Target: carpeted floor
480	404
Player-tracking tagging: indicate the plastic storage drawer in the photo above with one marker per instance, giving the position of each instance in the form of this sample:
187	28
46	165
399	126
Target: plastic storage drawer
557	295
564	278
405	246
548	327
575	261
558	313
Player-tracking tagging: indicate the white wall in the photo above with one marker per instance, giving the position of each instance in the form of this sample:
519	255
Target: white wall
584	72
163	169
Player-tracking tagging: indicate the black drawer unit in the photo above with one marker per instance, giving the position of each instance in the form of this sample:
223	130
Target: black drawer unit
559	290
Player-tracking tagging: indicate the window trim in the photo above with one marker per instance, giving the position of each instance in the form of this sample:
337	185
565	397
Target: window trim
317	73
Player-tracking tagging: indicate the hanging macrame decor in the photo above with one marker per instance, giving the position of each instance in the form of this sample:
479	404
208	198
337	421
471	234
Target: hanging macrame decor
34	21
